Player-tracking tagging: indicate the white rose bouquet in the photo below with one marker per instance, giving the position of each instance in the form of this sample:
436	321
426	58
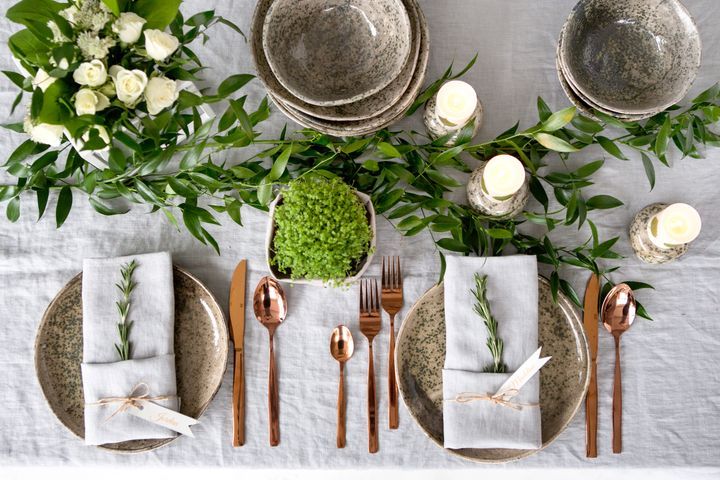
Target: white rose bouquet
112	78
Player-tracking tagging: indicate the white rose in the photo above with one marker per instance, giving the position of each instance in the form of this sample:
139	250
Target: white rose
46	134
128	27
102	133
160	93
160	45
91	73
43	80
129	84
88	102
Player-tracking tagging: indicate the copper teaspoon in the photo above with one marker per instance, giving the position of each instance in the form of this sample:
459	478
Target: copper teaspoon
618	313
271	309
341	348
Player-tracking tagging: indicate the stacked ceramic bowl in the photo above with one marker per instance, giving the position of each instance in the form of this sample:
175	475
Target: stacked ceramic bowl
630	59
342	67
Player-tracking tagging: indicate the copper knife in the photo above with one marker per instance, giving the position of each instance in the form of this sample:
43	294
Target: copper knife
590	319
237	333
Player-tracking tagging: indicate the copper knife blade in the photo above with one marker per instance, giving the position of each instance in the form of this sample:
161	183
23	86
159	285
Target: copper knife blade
591	322
237	333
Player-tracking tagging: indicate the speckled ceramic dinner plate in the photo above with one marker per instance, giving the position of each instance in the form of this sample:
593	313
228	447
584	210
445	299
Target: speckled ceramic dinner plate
420	356
201	350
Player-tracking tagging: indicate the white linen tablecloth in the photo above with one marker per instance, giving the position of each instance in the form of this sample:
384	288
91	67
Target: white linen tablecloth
670	366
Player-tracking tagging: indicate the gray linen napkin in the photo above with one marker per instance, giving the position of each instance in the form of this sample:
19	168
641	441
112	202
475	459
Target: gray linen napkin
152	311
513	294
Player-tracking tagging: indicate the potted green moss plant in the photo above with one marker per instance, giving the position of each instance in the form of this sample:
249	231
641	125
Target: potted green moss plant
321	232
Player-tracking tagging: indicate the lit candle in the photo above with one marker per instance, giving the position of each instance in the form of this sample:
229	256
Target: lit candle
677	224
503	176
456	102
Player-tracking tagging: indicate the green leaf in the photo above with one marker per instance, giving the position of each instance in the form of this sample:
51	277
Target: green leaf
453	245
499	233
233	83
610	147
544	112
43	194
233	208
105	209
114	6
389	150
603	202
280	164
13	209
558	120
264	192
586	125
661	142
649	169
708	95
28	12
64	205
158	13
554	143
589	168
639	285
538	191
442	179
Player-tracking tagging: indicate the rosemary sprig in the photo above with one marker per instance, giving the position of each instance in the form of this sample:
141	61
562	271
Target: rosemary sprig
494	342
126	286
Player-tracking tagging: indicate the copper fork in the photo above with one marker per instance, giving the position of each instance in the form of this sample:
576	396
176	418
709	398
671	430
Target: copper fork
370	326
392	301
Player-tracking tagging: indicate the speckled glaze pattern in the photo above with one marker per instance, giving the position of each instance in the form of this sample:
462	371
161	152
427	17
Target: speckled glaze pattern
388	117
631	56
644	248
487	205
420	356
333	52
366	108
201	350
584	104
437	128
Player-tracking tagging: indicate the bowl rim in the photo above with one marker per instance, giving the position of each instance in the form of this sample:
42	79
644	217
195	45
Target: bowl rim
305	96
627	110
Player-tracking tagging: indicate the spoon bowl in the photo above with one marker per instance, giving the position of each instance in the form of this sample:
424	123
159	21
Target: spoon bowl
270	309
341	348
618	314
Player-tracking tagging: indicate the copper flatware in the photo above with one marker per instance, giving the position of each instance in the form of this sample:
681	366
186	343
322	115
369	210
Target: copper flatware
392	302
618	314
271	309
237	334
370	326
590	316
341	348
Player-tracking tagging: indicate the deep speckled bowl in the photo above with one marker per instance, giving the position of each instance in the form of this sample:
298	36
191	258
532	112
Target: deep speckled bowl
420	356
631	56
333	52
201	351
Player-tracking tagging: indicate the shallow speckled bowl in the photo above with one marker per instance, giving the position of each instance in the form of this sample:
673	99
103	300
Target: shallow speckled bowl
369	107
631	56
201	350
420	356
333	52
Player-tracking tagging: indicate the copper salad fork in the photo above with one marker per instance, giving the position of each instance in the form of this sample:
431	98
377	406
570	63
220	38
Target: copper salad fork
392	302
370	321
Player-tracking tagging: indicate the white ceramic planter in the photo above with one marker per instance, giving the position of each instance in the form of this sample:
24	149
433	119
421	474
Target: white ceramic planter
286	278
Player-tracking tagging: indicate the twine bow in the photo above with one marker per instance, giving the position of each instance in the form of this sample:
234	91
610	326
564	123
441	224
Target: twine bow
502	399
139	394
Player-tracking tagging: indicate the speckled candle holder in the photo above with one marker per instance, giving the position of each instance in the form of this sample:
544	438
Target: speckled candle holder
486	204
644	247
437	127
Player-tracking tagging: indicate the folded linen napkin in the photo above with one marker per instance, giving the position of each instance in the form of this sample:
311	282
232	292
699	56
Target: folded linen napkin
512	290
152	312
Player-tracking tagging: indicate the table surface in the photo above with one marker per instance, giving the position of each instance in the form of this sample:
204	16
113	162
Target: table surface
671	375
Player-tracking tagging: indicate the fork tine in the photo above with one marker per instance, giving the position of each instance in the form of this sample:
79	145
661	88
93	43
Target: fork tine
384	275
376	307
399	274
361	295
394	274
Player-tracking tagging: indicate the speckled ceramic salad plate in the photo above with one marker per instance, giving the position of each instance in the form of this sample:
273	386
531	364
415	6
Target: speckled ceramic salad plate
420	355
201	350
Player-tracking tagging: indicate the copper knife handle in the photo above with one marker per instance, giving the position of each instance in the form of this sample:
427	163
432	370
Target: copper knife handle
617	401
239	400
341	409
372	405
273	399
394	418
591	413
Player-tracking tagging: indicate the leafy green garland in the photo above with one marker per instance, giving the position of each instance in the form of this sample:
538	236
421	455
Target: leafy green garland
404	172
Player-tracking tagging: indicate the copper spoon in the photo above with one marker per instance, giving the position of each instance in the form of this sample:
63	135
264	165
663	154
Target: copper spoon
618	313
341	348
270	309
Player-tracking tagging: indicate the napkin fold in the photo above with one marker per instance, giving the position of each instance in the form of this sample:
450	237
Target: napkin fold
512	290
152	312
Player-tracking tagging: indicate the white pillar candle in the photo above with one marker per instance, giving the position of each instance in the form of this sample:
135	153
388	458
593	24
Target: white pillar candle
456	102
503	176
677	224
